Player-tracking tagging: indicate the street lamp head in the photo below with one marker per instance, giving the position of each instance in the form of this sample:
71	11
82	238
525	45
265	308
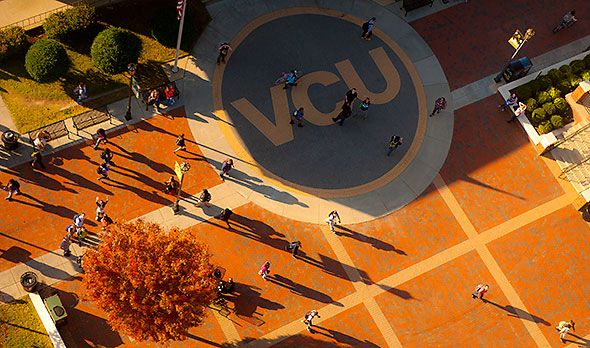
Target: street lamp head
529	33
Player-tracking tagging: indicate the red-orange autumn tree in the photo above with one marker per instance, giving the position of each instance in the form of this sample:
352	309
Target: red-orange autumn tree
152	284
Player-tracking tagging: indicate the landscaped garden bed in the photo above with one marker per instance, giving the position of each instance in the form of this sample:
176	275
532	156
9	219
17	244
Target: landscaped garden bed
34	104
20	325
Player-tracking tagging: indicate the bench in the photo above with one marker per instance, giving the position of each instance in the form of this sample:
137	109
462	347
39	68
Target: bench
409	5
55	130
91	118
145	93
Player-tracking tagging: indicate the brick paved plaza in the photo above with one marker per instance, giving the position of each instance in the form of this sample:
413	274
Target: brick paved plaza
466	200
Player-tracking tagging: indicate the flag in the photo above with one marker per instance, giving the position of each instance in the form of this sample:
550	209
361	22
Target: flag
179	7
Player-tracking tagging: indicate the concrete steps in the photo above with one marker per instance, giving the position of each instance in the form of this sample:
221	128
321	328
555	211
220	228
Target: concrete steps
574	151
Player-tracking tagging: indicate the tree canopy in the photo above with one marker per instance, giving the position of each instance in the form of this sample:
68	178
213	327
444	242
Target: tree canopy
152	284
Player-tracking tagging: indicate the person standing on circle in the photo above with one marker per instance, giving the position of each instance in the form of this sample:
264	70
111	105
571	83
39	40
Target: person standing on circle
297	115
226	166
101	135
308	318
368	28
264	270
224	49
331	220
363	108
394	142
180	142
350	96
344	114
439	104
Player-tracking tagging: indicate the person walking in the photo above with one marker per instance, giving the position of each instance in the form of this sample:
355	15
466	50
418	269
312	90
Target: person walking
331	220
226	166
264	270
564	327
204	198
350	96
512	100
37	160
308	318
293	247
103	170
439	104
394	142
100	205
180	142
368	28
297	115
480	290
41	139
13	188
363	108
79	220
344	114
101	136
65	245
107	156
224	49
225	215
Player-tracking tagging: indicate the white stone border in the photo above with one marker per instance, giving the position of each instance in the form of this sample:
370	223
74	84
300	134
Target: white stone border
48	323
548	139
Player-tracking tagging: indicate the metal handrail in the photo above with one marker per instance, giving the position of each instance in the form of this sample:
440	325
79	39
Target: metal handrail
565	139
573	166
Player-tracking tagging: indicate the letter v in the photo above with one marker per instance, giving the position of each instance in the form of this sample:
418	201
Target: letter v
279	132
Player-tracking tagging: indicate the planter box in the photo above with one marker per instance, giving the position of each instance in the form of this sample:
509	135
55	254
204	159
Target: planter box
541	141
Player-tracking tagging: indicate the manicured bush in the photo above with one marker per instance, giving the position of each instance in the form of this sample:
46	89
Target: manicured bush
564	87
574	82
535	87
554	92
557	121
543	97
544	82
560	105
12	41
524	92
545	127
531	104
538	115
587	61
549	108
585	75
555	75
113	49
61	24
577	66
565	69
46	60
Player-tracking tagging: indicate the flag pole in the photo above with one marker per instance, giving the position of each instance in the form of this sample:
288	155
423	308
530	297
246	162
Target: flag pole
175	67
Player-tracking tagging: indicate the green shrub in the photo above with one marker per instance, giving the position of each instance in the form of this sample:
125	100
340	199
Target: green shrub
549	108
564	87
531	104
46	60
577	66
545	127
587	61
574	82
523	92
12	41
113	49
557	121
566	69
585	75
538	115
61	24
554	93
535	87
560	105
555	75
544	82
543	97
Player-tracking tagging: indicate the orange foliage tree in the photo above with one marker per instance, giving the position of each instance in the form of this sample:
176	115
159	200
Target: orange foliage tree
152	284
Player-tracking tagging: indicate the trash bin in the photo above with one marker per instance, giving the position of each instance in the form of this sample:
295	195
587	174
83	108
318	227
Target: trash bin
29	281
10	140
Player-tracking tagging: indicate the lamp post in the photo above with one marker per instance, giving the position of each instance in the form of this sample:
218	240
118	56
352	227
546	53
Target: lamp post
131	69
180	170
517	41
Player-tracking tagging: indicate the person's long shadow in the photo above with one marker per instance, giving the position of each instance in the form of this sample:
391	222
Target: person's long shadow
517	313
48	207
257	230
376	243
334	267
78	180
150	196
581	341
39	178
342	338
248	298
301	290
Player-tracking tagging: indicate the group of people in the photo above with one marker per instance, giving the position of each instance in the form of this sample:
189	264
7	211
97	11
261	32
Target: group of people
166	96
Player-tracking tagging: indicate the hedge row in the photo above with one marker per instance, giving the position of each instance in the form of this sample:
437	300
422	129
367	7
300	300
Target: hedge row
61	24
12	42
544	96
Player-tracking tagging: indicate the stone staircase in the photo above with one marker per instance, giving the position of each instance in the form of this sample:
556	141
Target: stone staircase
572	154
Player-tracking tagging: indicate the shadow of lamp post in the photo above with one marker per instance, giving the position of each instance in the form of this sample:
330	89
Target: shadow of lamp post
180	170
131	69
517	41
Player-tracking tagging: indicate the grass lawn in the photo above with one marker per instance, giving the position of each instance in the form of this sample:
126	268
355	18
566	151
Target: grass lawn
20	325
33	105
